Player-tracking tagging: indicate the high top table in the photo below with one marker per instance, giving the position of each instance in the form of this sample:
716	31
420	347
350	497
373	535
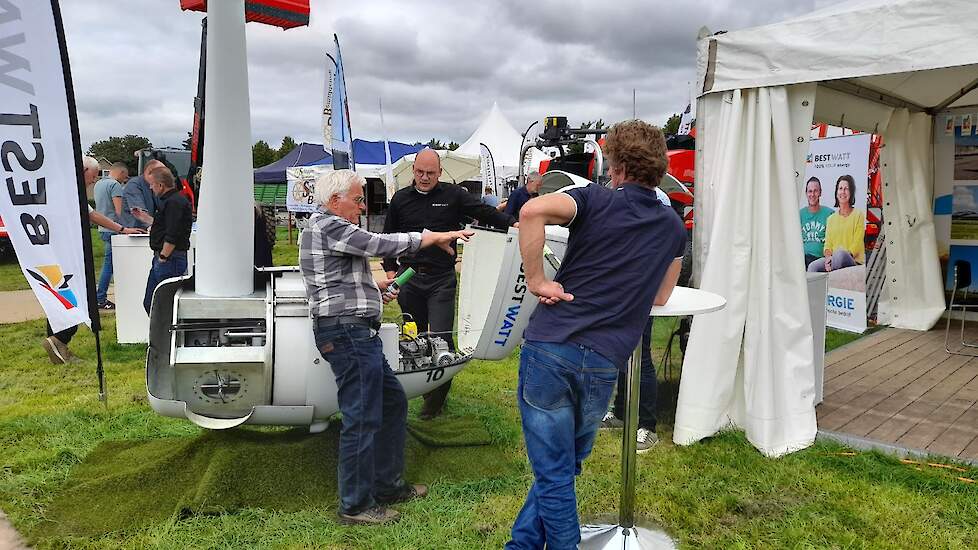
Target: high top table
683	301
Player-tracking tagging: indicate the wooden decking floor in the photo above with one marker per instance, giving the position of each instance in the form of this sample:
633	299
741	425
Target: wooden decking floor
902	388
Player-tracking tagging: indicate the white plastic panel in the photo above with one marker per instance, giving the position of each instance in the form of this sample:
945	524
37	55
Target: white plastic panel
494	304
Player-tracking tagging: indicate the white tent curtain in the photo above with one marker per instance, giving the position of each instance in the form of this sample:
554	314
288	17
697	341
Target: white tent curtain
751	364
913	273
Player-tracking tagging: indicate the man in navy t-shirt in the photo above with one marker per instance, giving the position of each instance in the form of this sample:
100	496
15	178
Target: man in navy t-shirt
522	194
623	255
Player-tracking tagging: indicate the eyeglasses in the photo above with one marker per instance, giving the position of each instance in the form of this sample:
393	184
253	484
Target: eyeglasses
430	175
360	200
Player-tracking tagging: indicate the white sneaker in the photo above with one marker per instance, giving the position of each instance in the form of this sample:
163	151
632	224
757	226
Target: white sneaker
611	422
646	440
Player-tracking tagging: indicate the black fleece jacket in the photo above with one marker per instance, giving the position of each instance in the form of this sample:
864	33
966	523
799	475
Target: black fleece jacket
447	207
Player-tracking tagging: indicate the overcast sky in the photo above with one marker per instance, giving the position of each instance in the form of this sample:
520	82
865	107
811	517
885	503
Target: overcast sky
438	65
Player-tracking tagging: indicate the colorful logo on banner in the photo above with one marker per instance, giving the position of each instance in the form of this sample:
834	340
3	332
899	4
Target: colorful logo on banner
52	279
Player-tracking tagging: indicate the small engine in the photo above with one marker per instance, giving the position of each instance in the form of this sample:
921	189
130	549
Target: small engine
424	352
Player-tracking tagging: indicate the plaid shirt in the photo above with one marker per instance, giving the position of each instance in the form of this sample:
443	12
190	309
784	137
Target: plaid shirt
333	258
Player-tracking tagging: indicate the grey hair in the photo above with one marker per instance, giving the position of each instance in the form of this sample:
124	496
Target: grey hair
89	163
534	175
336	182
163	177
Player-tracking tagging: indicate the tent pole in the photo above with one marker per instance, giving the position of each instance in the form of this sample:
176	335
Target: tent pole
290	227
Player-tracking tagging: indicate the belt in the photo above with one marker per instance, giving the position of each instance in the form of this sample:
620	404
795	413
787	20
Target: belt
427	270
347	320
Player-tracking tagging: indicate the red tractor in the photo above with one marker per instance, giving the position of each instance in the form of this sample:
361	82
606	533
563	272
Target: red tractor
5	246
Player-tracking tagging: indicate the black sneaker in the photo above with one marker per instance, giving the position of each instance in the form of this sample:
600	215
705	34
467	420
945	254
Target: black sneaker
378	515
407	492
106	305
611	422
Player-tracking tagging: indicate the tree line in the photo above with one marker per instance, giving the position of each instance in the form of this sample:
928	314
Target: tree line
123	148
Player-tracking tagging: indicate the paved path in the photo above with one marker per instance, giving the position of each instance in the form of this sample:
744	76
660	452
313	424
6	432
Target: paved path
17	306
9	538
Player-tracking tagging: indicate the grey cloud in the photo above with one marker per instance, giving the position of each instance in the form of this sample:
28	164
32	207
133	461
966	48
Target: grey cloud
437	65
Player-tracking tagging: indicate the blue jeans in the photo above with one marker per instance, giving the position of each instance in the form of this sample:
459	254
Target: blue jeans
563	393
648	387
160	271
841	258
374	407
105	277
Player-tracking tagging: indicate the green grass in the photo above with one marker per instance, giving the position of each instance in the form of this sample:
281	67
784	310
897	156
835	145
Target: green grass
157	482
78	473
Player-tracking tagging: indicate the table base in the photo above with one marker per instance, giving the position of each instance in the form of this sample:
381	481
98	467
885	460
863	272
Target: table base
607	537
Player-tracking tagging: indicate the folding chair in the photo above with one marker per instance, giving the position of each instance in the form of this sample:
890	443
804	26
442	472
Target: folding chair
962	280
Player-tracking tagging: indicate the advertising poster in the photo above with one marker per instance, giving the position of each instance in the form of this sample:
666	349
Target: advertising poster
301	181
833	224
964	214
965	156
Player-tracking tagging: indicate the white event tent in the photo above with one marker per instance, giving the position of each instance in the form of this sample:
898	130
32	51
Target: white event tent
462	164
886	66
503	141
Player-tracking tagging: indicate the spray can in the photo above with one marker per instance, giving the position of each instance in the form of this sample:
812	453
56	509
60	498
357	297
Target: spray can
399	282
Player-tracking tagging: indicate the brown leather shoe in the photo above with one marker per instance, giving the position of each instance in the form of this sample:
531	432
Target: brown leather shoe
408	492
378	515
54	351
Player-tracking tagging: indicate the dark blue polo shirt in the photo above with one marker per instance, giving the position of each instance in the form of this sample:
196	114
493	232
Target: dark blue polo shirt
516	200
621	243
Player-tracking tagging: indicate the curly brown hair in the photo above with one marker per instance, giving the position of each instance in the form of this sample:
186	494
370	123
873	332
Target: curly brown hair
640	149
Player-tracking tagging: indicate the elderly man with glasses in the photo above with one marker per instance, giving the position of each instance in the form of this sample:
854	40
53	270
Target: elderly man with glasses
429	297
345	305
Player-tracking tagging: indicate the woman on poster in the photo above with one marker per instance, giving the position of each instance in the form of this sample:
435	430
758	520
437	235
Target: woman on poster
845	231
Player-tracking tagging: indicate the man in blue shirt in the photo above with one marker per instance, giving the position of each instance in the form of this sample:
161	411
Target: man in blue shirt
108	202
524	193
490	198
623	255
139	204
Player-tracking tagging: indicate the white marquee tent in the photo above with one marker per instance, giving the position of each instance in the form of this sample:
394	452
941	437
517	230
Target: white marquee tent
886	66
503	141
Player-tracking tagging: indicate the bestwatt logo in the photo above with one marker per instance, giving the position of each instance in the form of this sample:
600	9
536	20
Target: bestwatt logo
56	282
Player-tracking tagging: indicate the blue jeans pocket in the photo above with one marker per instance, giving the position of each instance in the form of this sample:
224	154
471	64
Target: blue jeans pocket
543	386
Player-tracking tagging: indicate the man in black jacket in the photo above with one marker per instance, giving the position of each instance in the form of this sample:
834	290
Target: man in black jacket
169	236
429	297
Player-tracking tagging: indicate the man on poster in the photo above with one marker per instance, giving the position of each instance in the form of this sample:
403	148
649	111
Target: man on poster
813	221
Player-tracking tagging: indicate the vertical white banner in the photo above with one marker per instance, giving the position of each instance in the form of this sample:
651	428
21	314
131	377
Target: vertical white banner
390	184
686	121
833	224
487	169
41	203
